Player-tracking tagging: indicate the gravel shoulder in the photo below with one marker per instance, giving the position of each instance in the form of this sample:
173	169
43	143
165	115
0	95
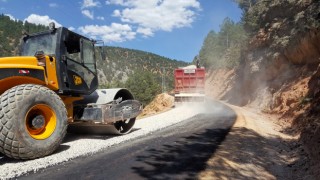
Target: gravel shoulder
253	149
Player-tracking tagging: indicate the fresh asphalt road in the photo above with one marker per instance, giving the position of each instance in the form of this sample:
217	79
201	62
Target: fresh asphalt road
176	152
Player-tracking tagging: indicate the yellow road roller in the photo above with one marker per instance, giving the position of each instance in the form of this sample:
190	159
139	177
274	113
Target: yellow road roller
51	85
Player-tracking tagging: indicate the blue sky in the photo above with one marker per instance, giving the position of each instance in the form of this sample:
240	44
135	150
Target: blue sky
170	28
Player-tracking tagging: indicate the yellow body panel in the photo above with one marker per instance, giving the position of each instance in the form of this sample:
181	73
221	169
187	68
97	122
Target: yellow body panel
28	63
10	82
51	70
50	77
19	61
21	66
68	101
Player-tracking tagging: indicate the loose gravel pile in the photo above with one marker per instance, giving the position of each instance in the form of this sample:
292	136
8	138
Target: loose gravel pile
88	145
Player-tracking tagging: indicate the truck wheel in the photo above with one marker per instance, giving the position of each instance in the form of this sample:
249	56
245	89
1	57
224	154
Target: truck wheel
33	121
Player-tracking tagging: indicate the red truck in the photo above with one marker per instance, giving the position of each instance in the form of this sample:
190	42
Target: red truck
189	84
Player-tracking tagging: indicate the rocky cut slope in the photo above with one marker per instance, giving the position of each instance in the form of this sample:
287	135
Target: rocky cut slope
279	70
285	47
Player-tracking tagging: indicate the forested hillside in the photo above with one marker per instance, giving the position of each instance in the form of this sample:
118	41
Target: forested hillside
120	63
11	32
122	67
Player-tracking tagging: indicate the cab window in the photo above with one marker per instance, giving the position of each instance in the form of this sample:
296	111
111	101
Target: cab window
88	54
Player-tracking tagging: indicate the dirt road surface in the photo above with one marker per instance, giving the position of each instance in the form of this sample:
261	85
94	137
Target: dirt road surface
253	149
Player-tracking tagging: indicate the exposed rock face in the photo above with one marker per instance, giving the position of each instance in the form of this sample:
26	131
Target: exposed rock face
288	40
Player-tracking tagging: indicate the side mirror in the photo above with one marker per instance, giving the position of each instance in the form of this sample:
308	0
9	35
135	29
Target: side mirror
103	53
101	49
52	26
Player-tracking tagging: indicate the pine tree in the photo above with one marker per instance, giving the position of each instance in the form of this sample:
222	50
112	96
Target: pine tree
144	86
222	49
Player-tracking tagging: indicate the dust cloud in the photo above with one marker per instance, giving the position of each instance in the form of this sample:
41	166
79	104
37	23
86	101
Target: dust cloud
208	107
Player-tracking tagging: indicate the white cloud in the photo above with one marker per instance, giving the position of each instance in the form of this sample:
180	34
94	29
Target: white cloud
43	20
155	15
90	4
53	5
88	14
145	31
113	33
116	13
100	18
71	28
141	17
117	2
11	17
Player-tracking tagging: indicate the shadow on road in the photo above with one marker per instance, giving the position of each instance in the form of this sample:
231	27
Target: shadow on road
4	160
183	159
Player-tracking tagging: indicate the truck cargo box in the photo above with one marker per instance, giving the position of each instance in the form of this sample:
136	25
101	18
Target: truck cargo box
189	84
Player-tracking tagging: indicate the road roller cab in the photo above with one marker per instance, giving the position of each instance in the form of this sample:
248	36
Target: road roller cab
53	84
68	59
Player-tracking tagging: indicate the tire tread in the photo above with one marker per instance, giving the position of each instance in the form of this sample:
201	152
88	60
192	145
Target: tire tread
10	144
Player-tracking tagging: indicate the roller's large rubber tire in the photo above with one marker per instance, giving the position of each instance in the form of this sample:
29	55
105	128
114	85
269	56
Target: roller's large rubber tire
19	107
